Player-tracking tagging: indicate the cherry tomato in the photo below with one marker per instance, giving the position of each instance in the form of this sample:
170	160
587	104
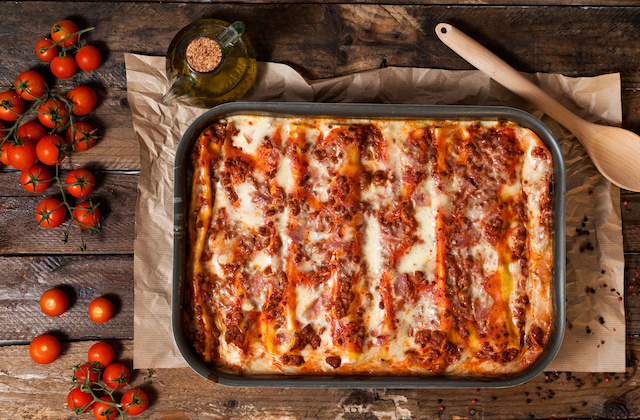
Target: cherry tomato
105	411
80	373
51	149
22	156
44	349
45	50
30	85
11	106
54	302
32	131
134	401
4	153
102	353
100	310
84	134
79	401
80	182
50	212
62	30
87	216
35	179
53	113
116	376
88	58
63	67
84	100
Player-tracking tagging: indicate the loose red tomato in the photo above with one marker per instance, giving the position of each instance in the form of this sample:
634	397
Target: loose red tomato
11	106
63	67
102	353
51	149
134	401
62	31
116	376
84	100
22	156
35	179
87	216
4	153
50	212
79	401
53	113
45	50
100	310
83	136
54	302
81	372
30	85
44	349
80	182
88	58
32	131
105	410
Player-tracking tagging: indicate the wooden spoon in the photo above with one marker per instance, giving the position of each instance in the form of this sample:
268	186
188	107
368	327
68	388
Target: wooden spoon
614	151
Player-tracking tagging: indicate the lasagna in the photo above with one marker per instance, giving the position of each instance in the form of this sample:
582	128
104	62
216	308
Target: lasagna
369	247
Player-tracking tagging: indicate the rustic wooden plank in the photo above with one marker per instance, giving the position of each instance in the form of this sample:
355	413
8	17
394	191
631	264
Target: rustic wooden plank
117	148
82	279
33	391
467	3
21	235
324	40
630	210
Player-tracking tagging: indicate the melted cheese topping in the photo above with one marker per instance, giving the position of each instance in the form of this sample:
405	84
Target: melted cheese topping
369	246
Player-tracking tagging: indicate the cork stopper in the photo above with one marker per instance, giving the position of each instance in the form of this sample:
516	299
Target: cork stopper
203	54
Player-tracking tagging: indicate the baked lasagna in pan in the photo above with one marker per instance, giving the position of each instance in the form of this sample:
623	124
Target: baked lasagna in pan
369	247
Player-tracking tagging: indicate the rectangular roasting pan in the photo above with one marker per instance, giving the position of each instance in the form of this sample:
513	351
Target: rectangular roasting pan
381	111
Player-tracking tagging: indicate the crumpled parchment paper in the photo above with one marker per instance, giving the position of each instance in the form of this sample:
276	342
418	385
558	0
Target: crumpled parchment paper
595	335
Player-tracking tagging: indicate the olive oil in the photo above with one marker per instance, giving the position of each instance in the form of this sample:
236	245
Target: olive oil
227	81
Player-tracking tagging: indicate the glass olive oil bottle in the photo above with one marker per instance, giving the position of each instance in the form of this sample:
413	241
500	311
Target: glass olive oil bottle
210	62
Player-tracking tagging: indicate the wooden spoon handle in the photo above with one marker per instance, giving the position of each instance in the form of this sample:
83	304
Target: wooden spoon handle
489	63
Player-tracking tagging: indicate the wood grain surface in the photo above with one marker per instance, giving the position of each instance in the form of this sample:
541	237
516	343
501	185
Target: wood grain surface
319	39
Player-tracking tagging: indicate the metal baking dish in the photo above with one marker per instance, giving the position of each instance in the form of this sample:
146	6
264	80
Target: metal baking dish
181	178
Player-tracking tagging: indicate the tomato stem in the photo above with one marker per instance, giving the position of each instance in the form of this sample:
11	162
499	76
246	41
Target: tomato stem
57	43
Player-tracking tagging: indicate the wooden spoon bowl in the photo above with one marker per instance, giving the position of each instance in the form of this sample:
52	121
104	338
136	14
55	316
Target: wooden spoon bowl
614	151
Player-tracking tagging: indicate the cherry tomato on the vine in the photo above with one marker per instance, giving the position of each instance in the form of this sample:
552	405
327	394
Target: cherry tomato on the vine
32	131
11	106
53	113
102	353
45	50
87	216
63	67
84	136
84	100
22	156
79	401
81	372
100	310
54	302
44	349
62	30
51	149
50	212
88	58
116	376
134	401
35	179
80	182
30	85
104	410
4	153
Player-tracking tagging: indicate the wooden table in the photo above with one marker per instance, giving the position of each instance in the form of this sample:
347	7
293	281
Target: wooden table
319	40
